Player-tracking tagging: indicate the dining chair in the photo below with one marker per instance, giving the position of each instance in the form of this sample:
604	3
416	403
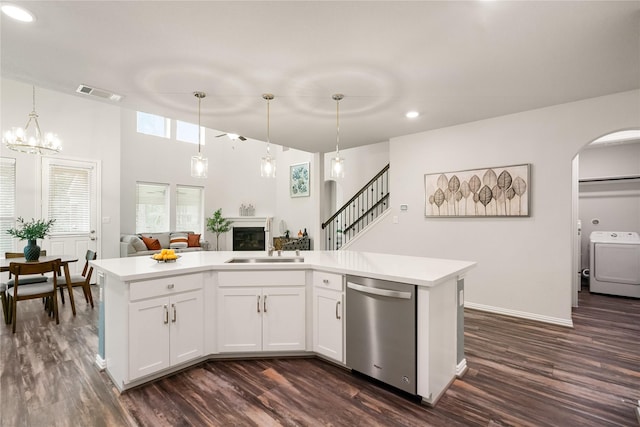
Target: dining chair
3	299
25	280
47	289
80	280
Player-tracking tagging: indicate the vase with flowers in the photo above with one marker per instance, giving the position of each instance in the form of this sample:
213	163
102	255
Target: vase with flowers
31	231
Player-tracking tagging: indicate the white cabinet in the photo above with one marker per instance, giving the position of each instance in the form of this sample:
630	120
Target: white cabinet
261	318
165	330
328	315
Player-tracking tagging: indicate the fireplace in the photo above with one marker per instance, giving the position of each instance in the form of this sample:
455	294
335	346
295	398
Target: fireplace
248	239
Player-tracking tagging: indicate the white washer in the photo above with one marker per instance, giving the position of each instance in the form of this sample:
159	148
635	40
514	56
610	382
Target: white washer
614	263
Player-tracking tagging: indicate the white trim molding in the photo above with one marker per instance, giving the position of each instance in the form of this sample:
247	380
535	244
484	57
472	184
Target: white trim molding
461	369
101	363
521	314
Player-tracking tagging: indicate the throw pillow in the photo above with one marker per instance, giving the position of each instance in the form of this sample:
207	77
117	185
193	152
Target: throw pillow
138	244
178	241
151	243
193	240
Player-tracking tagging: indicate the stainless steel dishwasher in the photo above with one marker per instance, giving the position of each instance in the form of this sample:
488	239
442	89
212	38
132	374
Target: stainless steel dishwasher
381	331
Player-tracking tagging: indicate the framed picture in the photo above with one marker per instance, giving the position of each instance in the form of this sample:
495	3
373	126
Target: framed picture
491	192
299	180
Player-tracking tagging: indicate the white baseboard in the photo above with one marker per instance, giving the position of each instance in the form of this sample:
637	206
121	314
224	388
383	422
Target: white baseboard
101	363
461	369
521	314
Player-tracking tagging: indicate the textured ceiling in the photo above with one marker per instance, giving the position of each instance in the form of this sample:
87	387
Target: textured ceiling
454	62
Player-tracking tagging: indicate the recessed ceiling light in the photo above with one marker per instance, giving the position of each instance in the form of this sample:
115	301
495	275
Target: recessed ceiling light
18	13
412	114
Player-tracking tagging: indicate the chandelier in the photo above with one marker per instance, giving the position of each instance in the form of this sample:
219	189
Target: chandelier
30	139
268	163
199	164
337	163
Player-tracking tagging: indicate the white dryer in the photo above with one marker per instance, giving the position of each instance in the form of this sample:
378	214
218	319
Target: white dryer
614	263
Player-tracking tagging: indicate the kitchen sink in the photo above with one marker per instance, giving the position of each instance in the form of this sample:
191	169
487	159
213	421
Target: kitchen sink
264	260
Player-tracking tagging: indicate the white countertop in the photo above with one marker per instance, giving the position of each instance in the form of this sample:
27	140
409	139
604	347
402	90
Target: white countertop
400	268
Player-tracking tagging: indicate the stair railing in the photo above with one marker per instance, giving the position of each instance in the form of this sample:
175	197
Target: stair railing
364	207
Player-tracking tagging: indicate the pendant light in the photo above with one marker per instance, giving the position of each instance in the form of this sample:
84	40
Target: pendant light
31	140
337	163
268	163
199	164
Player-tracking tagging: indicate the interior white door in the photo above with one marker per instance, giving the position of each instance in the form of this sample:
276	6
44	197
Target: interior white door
70	194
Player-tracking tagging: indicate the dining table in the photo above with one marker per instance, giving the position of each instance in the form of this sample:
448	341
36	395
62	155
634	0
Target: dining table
64	262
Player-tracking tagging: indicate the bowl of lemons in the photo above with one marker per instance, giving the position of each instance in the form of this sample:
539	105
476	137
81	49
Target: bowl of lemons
166	255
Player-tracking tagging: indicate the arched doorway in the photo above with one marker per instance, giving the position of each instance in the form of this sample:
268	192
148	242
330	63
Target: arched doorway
606	193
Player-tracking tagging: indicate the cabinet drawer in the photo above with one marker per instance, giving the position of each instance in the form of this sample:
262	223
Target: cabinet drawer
261	278
164	286
327	280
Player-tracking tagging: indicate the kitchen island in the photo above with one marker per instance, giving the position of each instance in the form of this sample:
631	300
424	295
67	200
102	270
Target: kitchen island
163	317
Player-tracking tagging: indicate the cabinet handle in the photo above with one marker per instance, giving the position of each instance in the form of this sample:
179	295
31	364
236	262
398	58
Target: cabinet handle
166	314
338	310
258	304
170	286
173	306
264	304
325	281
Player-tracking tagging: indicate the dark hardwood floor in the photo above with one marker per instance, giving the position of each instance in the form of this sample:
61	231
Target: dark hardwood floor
521	373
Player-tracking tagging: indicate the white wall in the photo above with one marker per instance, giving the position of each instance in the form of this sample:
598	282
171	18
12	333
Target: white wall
614	205
360	164
298	213
524	264
89	130
233	176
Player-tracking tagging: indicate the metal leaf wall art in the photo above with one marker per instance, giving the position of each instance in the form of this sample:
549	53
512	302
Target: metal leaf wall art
491	192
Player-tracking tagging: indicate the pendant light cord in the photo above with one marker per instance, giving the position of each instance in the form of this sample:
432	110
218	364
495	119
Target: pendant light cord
199	127
268	126
337	127
268	97
338	97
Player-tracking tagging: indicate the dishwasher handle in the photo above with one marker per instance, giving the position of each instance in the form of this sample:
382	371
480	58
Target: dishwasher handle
379	291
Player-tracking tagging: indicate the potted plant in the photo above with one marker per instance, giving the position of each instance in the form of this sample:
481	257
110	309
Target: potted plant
31	231
218	224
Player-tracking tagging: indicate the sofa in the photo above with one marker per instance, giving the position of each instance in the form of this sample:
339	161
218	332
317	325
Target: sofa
151	243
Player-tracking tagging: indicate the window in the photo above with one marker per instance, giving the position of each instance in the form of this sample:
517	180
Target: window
7	203
151	124
188	132
69	199
152	207
190	209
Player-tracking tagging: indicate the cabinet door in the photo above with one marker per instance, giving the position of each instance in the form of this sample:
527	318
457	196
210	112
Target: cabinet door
148	337
283	318
187	326
328	323
239	319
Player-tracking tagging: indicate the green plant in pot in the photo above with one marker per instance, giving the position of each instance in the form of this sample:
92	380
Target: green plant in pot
218	225
31	231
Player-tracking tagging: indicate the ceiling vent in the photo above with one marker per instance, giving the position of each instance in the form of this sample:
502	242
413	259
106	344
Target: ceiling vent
100	93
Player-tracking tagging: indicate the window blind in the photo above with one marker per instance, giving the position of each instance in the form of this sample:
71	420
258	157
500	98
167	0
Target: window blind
69	199
152	207
189	209
7	203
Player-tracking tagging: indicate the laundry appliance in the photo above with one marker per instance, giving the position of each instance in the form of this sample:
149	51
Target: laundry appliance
614	263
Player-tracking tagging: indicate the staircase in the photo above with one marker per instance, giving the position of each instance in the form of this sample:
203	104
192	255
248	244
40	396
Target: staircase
363	208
